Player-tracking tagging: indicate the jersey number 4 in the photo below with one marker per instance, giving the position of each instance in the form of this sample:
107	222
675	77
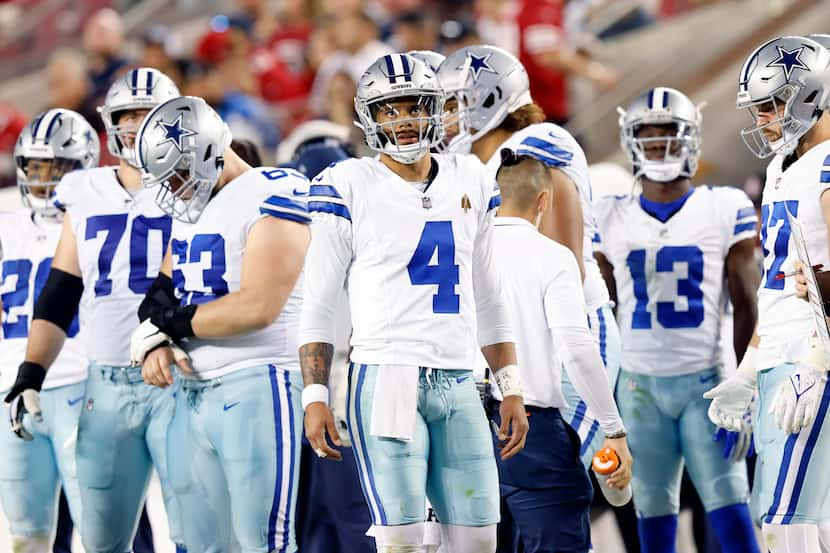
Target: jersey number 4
21	269
689	287
437	235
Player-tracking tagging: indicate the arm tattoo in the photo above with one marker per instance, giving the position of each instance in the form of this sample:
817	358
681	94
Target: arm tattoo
315	361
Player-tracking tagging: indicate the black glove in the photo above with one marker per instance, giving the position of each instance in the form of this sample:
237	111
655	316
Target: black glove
175	321
24	397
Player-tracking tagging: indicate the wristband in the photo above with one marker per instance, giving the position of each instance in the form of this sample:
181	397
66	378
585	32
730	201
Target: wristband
509	381
616	435
175	321
314	393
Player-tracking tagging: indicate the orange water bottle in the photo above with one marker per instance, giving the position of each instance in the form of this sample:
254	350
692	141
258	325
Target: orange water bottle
605	462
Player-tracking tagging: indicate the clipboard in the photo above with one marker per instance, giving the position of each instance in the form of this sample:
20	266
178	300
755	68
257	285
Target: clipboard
813	292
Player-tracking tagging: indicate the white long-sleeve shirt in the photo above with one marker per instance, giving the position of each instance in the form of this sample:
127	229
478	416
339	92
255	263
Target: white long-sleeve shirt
548	313
418	266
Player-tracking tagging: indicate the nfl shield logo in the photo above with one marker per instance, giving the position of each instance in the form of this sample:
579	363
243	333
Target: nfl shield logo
426	202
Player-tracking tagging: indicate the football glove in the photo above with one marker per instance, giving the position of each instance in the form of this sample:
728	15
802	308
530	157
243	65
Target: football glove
737	445
730	400
24	397
145	339
797	399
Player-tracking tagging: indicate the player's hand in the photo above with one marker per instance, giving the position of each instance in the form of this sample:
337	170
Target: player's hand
24	397
319	423
737	446
797	398
800	281
156	367
730	400
514	426
621	477
146	338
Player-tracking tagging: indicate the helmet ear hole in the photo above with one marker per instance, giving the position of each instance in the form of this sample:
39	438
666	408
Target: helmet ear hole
489	101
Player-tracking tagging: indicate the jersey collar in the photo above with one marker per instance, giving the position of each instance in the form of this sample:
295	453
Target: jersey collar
664	211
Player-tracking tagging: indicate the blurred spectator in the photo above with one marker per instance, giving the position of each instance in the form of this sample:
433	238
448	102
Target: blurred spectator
160	51
103	42
340	99
496	23
456	34
68	86
12	122
416	30
247	117
356	39
550	59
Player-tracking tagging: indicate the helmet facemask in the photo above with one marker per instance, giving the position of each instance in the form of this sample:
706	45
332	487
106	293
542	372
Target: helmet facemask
37	179
121	136
790	129
456	121
405	137
182	194
662	157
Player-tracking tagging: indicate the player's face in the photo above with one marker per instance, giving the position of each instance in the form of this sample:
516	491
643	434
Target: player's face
128	123
768	117
403	120
654	147
42	174
451	119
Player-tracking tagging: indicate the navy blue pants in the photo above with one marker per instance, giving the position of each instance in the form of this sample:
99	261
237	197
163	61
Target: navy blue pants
332	515
546	489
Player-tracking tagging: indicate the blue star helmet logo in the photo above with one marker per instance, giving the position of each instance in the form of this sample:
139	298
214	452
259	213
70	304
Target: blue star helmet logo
174	132
479	64
789	60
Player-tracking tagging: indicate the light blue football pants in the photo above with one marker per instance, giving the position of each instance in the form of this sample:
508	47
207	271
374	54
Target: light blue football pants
668	427
450	458
235	458
792	480
122	435
604	327
31	473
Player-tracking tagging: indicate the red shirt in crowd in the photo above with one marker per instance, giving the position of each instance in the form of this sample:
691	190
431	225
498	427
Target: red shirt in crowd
540	24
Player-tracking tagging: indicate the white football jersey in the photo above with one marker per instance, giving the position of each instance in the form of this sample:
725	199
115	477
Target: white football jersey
785	321
669	276
418	266
28	244
207	264
121	239
558	149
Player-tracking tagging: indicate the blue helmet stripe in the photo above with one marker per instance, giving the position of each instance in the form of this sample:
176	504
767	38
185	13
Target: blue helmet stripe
651	98
149	82
36	126
665	99
390	67
407	72
54	120
134	81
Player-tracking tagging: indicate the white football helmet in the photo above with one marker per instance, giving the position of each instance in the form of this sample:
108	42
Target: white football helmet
142	88
395	77
62	141
680	151
181	147
497	84
431	59
788	76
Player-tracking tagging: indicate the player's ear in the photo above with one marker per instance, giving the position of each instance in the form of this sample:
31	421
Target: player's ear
543	200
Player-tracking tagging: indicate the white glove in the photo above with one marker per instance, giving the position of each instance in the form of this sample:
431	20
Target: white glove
28	401
146	338
797	398
730	400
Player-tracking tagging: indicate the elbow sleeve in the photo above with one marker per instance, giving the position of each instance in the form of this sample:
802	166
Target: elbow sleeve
59	300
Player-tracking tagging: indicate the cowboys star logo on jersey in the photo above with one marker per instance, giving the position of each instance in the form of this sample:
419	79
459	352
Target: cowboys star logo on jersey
174	132
789	60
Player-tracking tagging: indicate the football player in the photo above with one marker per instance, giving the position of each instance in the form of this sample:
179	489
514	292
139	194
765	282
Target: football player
228	293
784	86
53	144
410	235
109	252
499	113
665	271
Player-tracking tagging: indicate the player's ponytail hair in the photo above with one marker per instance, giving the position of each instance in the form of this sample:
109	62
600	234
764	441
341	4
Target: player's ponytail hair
528	114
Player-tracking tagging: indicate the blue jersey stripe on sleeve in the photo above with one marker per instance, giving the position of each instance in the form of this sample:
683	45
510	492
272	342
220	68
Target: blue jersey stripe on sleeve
296	217
596	239
745	212
324	190
280	201
744	227
328	207
495	202
825	176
